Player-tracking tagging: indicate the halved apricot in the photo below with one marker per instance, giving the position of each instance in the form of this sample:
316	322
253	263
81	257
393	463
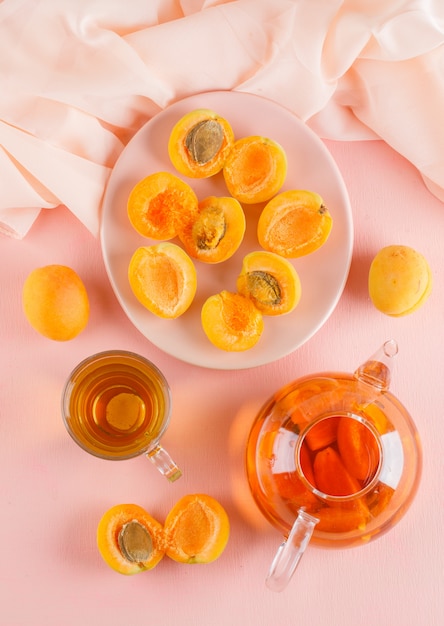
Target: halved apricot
129	540
163	278
197	529
294	223
231	321
199	143
323	433
158	202
343	517
215	231
255	169
270	281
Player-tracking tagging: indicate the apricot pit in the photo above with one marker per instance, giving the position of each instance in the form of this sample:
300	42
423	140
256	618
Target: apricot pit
199	143
270	281
215	231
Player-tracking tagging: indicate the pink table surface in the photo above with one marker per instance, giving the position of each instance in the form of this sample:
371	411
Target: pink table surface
53	494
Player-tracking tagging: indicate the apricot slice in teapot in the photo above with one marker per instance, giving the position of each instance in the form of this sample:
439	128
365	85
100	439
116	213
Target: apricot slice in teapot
270	281
358	448
343	518
199	143
231	321
156	204
255	169
294	223
197	529
331	476
163	278
323	433
215	231
129	540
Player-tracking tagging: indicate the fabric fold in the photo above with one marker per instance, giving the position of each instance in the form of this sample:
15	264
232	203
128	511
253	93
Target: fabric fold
77	80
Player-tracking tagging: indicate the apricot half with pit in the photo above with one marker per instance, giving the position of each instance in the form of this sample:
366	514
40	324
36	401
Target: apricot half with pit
399	280
255	169
163	278
270	281
129	540
197	529
231	321
158	202
215	231
294	223
199	143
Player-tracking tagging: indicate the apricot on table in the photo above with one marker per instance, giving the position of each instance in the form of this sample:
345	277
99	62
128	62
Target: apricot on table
163	278
231	321
199	143
294	223
129	540
399	280
55	302
255	169
270	281
215	231
158	202
197	529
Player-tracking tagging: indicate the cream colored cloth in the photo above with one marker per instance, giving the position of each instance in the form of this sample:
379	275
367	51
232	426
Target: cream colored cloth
78	78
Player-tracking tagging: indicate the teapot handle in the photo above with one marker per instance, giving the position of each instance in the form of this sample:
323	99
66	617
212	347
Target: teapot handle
290	551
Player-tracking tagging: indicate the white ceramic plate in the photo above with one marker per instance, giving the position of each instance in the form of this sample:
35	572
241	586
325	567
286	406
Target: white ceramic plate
323	273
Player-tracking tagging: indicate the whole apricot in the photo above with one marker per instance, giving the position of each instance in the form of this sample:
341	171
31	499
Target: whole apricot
55	302
399	280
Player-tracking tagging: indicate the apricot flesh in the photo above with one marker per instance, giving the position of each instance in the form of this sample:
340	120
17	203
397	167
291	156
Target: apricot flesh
130	540
255	169
197	529
199	143
215	231
270	281
55	302
163	278
399	281
157	203
231	321
294	223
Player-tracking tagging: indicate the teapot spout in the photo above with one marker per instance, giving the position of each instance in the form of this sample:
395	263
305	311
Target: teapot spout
376	370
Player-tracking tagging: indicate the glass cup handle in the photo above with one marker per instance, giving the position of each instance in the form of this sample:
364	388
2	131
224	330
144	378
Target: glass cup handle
290	551
164	463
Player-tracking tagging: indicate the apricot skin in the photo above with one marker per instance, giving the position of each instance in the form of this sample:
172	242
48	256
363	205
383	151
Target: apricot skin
55	302
399	280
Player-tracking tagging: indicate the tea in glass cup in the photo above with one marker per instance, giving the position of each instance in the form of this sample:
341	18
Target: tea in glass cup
117	405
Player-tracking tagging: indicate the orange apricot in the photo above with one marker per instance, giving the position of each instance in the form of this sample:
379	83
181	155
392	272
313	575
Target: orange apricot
158	202
358	448
294	223
323	433
331	476
270	281
215	231
129	540
55	302
199	143
255	169
163	278
343	517
197	529
231	321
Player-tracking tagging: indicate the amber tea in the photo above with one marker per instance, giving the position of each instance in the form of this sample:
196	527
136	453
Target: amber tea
116	405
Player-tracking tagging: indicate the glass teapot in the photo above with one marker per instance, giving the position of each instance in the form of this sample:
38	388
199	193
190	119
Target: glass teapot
333	459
